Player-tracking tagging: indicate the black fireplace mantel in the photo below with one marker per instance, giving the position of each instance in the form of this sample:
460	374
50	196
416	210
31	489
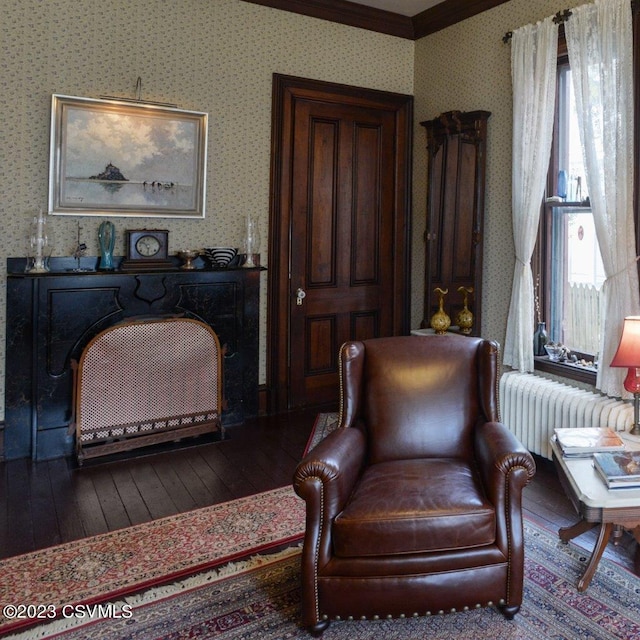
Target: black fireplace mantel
52	316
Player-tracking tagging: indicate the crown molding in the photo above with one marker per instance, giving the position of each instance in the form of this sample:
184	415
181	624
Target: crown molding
448	13
349	13
439	17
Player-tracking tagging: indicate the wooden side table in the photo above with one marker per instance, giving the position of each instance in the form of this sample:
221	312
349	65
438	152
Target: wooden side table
610	510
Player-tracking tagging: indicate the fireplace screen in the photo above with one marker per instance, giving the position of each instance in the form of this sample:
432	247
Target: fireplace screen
145	382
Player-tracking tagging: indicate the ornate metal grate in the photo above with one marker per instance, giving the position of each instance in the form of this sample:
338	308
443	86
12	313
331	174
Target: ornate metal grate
144	382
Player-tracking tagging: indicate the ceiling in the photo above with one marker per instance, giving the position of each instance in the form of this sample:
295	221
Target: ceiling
411	19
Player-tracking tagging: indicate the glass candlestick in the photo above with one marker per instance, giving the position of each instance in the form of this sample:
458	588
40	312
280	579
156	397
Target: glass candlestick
39	242
251	242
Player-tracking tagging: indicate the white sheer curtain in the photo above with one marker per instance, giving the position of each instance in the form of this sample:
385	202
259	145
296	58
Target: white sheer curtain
600	44
533	70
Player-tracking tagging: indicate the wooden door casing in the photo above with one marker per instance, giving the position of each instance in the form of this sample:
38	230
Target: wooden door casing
339	230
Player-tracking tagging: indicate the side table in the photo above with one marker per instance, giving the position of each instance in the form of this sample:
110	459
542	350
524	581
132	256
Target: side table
610	510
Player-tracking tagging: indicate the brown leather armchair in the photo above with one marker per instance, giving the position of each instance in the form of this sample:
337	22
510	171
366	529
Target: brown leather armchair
414	502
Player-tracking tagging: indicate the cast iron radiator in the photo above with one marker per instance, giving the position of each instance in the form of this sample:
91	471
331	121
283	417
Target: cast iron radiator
532	407
144	382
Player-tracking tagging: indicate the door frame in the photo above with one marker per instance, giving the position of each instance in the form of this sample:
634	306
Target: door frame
285	91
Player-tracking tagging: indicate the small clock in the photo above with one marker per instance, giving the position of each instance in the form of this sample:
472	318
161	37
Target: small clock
147	249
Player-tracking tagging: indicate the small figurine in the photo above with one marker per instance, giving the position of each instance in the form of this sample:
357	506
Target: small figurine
79	252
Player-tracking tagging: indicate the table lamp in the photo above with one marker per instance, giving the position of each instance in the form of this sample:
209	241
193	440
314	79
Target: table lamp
628	355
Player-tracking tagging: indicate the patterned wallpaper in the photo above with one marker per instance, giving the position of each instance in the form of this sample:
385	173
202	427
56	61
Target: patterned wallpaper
468	67
218	56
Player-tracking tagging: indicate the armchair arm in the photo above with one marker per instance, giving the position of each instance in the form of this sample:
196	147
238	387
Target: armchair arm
506	467
325	479
499	453
332	467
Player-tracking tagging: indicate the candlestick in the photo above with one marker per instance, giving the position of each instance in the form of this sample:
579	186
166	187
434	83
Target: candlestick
39	240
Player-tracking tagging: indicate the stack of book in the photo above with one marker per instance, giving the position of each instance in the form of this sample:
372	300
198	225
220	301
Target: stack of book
585	442
620	470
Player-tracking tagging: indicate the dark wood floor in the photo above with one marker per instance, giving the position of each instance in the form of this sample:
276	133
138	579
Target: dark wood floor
47	503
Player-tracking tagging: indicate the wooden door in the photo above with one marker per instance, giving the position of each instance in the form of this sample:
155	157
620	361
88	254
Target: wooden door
339	230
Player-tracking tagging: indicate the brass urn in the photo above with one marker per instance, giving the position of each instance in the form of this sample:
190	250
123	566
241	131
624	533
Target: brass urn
440	321
464	319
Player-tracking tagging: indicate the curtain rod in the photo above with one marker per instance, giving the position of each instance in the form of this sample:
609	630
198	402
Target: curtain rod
559	18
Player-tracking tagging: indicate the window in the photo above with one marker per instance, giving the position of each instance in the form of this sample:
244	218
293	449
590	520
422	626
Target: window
569	266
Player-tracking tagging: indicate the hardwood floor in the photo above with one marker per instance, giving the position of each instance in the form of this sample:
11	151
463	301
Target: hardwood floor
50	502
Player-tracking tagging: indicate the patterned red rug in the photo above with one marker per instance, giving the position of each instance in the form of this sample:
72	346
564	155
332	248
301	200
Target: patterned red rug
46	584
260	600
39	585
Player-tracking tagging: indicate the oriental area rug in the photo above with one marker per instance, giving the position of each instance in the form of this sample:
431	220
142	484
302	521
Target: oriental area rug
109	565
253	592
259	599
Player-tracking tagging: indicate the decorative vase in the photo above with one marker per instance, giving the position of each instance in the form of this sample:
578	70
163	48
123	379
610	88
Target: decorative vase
562	184
464	319
440	321
540	338
107	240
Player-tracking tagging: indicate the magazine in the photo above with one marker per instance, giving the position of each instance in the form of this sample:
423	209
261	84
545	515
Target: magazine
618	469
588	440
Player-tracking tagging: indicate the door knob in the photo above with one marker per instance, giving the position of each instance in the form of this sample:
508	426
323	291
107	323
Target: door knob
300	296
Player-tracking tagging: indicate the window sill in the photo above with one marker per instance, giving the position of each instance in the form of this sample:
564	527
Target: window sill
574	372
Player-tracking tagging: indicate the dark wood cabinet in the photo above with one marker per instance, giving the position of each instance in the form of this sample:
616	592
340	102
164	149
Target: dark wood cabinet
456	157
52	317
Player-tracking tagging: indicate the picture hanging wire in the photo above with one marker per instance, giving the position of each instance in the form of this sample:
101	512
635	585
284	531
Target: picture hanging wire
138	98
559	18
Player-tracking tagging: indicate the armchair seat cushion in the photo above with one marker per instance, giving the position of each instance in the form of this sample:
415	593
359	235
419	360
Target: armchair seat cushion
415	506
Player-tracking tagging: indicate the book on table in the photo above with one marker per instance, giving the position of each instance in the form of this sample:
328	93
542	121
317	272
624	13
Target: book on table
585	441
619	469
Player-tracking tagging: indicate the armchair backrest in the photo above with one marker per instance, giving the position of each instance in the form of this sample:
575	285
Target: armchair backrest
419	396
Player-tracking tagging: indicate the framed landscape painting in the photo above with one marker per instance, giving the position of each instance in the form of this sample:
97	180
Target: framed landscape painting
113	158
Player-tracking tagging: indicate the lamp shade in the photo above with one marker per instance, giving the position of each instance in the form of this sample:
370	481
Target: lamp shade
628	353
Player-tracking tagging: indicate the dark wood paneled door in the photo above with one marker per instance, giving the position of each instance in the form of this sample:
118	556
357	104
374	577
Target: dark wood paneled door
339	230
456	160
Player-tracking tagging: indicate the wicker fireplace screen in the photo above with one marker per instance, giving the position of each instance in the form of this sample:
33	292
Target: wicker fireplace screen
145	382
